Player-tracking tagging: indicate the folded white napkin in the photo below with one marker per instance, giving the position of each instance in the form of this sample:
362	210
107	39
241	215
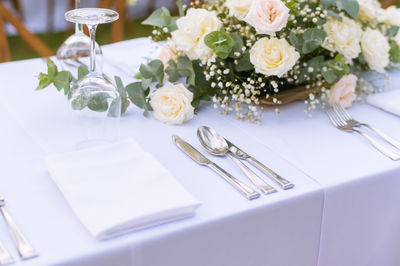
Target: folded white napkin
388	101
118	188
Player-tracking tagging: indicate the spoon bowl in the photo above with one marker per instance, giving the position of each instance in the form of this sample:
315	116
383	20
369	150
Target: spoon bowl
212	141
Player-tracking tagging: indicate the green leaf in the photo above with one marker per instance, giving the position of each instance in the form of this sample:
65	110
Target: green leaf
328	74
313	39
146	83
185	69
51	69
137	94
327	3
350	6
99	102
63	81
296	41
138	76
159	18
335	15
82	71
237	46
44	81
179	4
338	65
220	42
124	96
244	63
394	52
392	31
154	71
115	109
79	103
172	71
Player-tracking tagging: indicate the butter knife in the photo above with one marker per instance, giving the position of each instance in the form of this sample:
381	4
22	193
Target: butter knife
5	257
282	182
202	160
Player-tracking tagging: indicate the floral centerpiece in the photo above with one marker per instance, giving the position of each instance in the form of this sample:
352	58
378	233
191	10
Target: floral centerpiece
242	54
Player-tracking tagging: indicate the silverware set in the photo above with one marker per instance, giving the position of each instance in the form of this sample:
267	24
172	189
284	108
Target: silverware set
217	145
25	249
342	120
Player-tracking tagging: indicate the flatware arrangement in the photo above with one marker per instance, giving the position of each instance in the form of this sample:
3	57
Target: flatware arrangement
25	249
342	120
217	145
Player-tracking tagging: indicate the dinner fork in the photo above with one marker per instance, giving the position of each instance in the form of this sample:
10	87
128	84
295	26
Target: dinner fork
5	257
342	113
342	125
25	249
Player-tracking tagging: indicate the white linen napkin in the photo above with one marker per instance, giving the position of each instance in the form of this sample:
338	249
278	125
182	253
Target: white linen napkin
388	101
118	188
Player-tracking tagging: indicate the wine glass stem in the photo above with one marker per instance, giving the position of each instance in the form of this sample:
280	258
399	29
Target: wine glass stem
78	27
92	32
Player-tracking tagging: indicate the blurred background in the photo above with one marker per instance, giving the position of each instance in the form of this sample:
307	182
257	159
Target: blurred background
42	28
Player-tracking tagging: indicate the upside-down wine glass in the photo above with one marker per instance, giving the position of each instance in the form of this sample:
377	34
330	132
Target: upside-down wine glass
94	95
76	47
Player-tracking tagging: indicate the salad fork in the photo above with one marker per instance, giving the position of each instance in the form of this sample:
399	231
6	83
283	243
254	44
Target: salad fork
5	257
343	114
339	123
25	249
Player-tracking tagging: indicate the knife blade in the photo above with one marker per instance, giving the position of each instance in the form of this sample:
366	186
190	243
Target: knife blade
190	151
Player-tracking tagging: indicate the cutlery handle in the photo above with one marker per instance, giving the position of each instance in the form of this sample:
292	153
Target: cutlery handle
285	184
5	257
390	140
24	248
260	183
392	155
248	192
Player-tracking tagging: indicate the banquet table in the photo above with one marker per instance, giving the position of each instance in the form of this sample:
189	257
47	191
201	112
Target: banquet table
343	211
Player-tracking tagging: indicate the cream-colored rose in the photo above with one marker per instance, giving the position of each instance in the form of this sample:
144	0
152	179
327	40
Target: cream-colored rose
267	16
344	91
369	9
343	37
172	104
390	16
192	29
375	49
273	57
168	53
238	8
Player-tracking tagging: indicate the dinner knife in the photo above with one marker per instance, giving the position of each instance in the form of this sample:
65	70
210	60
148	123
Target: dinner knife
246	191
282	182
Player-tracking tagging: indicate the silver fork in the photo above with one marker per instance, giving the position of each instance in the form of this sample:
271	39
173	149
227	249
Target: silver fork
342	113
25	249
342	125
5	257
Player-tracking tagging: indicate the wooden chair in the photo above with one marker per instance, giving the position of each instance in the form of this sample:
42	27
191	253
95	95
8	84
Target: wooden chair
32	40
117	30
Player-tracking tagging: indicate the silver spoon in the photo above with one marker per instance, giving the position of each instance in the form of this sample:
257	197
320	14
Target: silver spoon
217	145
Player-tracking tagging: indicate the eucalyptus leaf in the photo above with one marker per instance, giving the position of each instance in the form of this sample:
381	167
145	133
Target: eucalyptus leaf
244	63
394	52
237	45
80	102
98	102
328	74
82	71
44	81
221	43
124	96
51	69
159	18
63	81
179	4
350	6
335	15
185	69
172	71
392	31
154	71
137	94
313	39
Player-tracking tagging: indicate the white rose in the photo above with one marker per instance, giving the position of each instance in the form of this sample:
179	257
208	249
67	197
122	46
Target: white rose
375	49
343	37
267	16
344	91
390	16
172	104
238	8
192	29
273	57
369	9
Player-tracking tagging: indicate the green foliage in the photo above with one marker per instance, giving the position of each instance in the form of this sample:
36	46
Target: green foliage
161	18
82	71
392	31
179	4
138	96
244	63
123	93
61	80
335	68
335	15
220	42
351	7
308	41
394	52
237	46
153	70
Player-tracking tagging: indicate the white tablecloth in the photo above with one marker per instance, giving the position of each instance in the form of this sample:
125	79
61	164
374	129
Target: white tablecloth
343	211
